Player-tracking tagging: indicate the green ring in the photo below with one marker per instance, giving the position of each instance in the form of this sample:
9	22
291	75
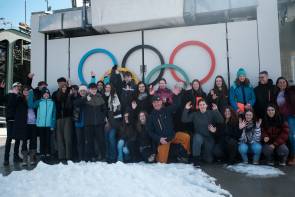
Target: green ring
164	66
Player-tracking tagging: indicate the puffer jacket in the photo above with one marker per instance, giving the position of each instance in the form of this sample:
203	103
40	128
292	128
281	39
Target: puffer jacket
46	113
277	135
236	95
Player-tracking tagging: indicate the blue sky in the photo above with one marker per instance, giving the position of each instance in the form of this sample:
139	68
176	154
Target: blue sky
14	10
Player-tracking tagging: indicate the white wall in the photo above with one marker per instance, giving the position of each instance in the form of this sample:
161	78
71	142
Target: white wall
243	49
37	50
268	34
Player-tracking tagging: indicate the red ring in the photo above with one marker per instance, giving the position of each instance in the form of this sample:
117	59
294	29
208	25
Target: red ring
199	44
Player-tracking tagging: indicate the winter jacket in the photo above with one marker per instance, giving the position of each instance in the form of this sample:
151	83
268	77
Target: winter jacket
78	112
250	134
264	94
277	135
290	98
11	101
221	101
143	137
46	113
166	95
241	94
160	122
227	132
63	104
144	103
193	96
201	120
95	110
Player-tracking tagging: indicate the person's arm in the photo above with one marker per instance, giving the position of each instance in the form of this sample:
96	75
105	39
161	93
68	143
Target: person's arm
186	116
284	135
232	99
150	130
53	123
31	99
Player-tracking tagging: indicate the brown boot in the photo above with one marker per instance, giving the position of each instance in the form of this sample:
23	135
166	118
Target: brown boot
292	161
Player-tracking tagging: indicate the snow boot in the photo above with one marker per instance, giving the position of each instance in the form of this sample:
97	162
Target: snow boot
25	161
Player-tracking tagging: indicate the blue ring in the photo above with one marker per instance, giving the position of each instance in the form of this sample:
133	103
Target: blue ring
89	53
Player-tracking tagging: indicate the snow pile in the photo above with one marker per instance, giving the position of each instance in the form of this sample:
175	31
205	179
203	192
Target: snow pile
111	180
256	170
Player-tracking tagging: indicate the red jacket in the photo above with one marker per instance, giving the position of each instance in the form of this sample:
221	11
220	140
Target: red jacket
277	135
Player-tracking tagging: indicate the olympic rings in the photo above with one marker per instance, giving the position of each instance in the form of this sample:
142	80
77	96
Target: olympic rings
122	70
199	44
89	53
152	49
171	66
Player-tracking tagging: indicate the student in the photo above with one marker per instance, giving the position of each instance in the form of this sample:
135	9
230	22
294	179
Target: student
79	118
95	114
146	146
194	94
250	137
227	137
114	122
12	99
204	123
264	93
30	133
143	98
45	122
241	95
63	104
127	146
274	136
219	94
165	94
290	98
160	128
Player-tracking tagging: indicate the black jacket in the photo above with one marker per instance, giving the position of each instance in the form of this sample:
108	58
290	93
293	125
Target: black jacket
190	95
226	132
265	94
95	110
160	122
221	101
63	104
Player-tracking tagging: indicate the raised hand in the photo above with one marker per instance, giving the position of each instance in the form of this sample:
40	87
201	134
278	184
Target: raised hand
133	105
92	73
188	105
2	84
211	128
214	96
151	90
214	106
163	140
31	75
242	124
258	123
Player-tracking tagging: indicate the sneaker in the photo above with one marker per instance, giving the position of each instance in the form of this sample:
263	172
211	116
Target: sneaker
182	159
6	163
152	158
25	159
17	159
282	163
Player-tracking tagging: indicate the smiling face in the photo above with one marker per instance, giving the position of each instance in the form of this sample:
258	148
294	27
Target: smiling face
157	104
242	78
271	111
227	113
107	88
218	82
282	84
93	91
142	118
141	88
100	86
162	84
196	85
25	92
263	78
202	106
249	116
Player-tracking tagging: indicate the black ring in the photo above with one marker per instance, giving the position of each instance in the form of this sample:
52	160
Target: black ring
152	49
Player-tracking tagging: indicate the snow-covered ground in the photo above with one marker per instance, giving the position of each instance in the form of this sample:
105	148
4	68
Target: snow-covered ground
256	170
111	180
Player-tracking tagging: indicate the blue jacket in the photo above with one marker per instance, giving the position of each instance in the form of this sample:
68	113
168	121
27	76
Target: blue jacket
236	95
46	113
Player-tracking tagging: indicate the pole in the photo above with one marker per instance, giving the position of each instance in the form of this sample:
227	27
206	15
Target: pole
25	11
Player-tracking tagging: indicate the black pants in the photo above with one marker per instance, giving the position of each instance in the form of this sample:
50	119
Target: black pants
44	140
9	140
80	142
226	150
94	134
31	137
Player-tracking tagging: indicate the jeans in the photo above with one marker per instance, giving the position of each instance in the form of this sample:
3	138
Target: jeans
282	151
123	151
291	122
110	138
205	144
255	148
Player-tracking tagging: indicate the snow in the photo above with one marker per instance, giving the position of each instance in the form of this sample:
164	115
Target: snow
111	180
261	171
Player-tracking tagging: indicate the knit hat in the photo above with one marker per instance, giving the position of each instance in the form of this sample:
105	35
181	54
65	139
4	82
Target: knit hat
44	91
241	72
82	87
92	85
156	98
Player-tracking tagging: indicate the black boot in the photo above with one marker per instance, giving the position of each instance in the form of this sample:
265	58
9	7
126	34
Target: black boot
6	163
196	161
17	159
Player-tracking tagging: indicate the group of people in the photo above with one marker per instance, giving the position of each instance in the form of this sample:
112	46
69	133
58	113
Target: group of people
123	121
